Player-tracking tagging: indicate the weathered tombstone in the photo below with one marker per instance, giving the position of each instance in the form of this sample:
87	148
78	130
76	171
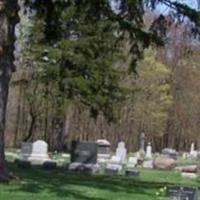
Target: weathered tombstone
149	164
193	152
148	151
132	162
103	150
26	151
84	152
182	193
192	148
34	152
121	152
114	165
103	146
83	156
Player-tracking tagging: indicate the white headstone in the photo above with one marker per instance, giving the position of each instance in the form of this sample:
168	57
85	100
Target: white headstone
149	151
148	164
114	163
121	152
132	162
193	152
192	148
37	151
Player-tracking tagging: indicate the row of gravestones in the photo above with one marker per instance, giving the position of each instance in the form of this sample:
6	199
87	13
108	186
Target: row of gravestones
83	154
89	154
84	157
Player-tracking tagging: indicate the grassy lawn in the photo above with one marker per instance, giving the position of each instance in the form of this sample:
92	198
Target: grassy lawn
37	184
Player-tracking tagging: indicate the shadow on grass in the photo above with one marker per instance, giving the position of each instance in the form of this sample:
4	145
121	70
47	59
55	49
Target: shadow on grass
76	185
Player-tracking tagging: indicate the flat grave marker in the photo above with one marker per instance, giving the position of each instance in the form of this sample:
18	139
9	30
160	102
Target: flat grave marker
182	193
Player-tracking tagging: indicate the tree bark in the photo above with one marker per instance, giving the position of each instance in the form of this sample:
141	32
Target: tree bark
8	20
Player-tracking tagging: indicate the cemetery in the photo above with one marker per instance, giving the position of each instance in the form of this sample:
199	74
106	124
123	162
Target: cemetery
100	100
120	175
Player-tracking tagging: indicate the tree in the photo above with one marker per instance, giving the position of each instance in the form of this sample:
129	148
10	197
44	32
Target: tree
8	20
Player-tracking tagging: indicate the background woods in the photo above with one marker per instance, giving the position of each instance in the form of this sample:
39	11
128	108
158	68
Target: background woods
61	92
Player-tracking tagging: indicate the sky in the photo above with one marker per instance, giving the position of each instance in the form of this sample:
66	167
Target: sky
192	3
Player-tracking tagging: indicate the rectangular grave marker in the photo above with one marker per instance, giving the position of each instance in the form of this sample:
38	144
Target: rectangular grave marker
182	193
84	152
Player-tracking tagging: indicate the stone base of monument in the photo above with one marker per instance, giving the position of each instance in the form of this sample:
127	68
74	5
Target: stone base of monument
48	165
35	158
23	163
103	158
132	172
81	167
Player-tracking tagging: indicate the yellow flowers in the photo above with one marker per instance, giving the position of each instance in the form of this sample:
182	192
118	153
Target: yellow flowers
161	193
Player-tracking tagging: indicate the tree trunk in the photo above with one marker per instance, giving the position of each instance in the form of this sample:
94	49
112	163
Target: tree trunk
59	130
8	19
32	125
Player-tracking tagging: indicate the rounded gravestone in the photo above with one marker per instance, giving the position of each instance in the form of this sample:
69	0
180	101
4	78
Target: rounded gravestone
39	147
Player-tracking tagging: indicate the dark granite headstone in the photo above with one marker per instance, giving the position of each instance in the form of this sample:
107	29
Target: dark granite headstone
182	193
84	152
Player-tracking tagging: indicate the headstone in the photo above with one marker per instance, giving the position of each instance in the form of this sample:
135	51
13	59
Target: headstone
114	163
193	152
149	151
84	152
185	155
171	153
148	164
37	151
113	166
121	152
132	162
103	146
192	148
103	150
83	156
182	193
26	151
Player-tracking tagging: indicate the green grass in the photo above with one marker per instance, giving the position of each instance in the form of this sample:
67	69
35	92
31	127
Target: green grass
37	184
